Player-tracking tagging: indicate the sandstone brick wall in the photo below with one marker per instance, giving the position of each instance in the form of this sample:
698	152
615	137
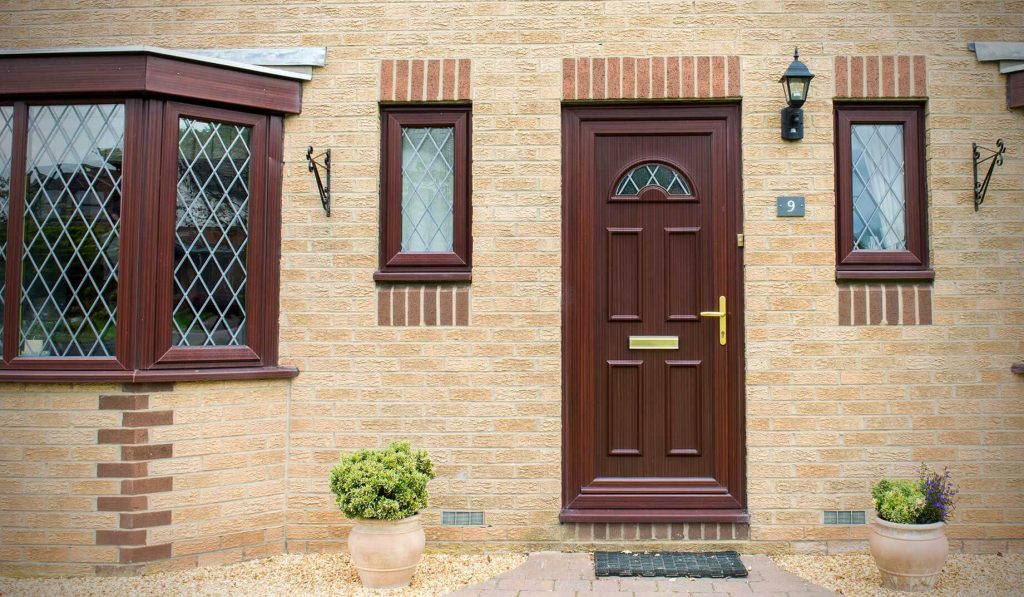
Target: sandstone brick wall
831	406
116	480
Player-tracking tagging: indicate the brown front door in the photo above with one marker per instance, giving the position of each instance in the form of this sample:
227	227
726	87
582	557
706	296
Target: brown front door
653	402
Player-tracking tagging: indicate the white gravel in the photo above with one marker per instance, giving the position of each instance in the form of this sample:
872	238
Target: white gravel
310	574
963	576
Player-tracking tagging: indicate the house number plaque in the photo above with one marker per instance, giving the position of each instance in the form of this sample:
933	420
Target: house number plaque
791	206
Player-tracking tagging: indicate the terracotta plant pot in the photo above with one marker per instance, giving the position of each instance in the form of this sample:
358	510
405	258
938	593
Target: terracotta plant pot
909	556
386	552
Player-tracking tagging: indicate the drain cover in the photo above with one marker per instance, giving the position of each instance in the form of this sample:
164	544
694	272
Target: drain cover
707	564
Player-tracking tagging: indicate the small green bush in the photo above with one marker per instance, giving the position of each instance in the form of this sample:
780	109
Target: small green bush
383	484
898	501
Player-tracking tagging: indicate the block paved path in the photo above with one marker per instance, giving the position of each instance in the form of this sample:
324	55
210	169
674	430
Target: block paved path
550	574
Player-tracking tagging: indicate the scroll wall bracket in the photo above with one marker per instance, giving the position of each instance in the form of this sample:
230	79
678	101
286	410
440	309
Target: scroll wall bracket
314	166
995	158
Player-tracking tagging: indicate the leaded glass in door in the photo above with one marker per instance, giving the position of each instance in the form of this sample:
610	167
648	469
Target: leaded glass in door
211	234
69	268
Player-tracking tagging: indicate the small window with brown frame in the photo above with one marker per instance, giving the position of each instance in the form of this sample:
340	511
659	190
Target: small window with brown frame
881	207
425	211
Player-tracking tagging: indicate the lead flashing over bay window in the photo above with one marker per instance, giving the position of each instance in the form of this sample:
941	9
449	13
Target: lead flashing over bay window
253	60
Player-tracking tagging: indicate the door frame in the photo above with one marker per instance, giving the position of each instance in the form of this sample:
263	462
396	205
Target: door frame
578	330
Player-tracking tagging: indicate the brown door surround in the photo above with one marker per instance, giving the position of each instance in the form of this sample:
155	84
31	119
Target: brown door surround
651	213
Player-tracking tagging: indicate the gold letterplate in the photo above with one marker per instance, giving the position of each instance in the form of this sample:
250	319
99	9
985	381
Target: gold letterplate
720	314
653	342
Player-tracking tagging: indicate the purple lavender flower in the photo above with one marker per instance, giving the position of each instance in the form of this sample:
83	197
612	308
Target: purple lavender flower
940	495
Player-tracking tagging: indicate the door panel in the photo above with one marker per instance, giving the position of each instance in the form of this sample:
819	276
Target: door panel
651	207
624	267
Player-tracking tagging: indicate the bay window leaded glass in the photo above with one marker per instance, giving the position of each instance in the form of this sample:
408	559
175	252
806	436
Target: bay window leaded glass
211	234
6	146
69	267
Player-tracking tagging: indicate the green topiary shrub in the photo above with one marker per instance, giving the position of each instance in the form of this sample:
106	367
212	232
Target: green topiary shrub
898	501
383	484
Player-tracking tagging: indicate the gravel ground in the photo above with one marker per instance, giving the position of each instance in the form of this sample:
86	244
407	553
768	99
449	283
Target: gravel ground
312	574
963	575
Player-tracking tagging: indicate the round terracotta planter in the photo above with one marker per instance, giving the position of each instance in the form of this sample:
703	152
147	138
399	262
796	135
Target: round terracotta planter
386	552
909	556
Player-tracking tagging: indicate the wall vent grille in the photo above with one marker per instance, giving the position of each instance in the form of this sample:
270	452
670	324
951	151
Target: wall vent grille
845	517
462	519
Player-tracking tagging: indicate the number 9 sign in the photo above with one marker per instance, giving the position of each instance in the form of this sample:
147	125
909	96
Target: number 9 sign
789	207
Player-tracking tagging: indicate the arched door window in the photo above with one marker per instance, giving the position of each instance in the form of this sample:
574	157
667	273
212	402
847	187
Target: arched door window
653	175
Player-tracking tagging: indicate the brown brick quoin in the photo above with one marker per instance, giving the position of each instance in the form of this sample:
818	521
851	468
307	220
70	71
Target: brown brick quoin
122	503
122	436
149	452
122	469
139	520
154	485
132	555
124	402
121	537
147	419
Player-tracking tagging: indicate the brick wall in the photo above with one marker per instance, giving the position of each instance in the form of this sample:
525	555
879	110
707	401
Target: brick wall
831	406
128	479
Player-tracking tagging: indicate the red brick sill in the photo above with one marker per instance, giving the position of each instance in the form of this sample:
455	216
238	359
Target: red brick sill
150	375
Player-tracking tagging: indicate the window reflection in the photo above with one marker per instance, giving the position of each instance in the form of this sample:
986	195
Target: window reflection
211	234
71	230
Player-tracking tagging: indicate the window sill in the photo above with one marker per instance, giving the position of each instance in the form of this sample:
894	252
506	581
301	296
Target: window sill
423	276
148	375
921	275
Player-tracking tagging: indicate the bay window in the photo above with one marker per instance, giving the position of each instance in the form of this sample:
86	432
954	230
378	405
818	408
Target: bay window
139	217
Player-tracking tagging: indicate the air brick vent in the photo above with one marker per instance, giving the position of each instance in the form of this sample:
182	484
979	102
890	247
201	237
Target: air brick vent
462	519
845	517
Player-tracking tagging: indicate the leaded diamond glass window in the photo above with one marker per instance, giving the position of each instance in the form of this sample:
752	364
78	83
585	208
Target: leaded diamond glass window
6	145
211	234
652	175
879	204
71	230
428	189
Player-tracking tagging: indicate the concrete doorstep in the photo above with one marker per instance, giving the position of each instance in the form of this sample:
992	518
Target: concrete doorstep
551	574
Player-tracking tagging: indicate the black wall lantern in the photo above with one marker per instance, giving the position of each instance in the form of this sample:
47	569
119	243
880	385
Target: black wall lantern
795	81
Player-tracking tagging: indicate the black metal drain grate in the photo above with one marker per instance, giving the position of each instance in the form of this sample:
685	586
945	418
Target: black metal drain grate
708	564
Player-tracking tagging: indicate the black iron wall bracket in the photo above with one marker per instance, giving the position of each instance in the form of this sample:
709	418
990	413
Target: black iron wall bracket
995	158
323	187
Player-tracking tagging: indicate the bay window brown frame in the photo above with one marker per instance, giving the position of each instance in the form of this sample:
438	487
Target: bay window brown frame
912	262
421	266
156	91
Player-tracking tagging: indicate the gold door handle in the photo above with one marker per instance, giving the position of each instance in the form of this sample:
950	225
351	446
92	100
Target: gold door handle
720	314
